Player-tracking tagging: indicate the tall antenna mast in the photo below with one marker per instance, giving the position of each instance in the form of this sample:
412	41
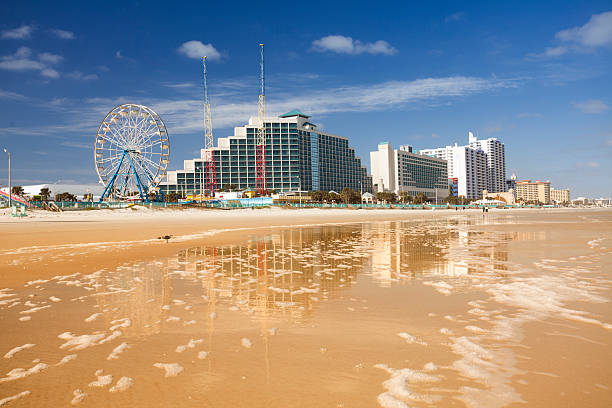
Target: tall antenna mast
208	137
260	171
209	157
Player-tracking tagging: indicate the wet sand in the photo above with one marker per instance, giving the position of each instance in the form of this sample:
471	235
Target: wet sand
407	309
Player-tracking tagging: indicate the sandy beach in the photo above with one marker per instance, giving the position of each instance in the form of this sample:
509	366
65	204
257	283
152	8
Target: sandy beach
303	308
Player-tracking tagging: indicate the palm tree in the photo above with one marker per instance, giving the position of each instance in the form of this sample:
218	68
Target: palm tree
45	193
17	190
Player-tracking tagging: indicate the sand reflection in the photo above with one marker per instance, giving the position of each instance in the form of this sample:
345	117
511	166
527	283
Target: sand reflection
394	313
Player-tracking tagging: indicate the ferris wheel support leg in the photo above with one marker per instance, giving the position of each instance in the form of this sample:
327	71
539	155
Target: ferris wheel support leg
112	180
141	187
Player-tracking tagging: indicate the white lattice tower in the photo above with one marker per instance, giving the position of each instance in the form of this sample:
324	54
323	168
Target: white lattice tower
209	157
208	133
260	171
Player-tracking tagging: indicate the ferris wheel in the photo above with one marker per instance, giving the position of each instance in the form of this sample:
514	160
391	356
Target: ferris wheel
131	152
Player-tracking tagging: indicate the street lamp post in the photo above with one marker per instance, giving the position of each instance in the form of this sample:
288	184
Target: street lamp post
9	179
360	193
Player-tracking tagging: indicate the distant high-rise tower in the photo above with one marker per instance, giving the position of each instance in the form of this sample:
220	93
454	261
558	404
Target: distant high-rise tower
496	161
481	165
467	165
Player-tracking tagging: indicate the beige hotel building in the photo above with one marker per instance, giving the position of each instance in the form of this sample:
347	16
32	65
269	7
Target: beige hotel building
526	190
560	196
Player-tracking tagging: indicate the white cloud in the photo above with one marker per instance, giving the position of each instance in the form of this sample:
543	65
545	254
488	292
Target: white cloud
50	58
58	101
63	34
196	49
179	85
23	52
50	73
20	33
20	64
555	51
592	106
11	95
77	145
346	45
122	57
455	17
183	116
596	32
22	60
79	76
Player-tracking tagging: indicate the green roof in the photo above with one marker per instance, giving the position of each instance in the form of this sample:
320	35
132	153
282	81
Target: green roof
294	112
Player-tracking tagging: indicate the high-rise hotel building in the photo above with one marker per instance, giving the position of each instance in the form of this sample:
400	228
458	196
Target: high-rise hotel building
465	164
299	157
478	166
496	161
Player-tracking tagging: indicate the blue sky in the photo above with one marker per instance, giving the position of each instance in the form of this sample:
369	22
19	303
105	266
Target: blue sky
536	75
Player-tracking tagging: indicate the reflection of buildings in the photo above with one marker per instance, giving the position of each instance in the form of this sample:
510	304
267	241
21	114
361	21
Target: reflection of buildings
288	272
136	292
285	272
407	249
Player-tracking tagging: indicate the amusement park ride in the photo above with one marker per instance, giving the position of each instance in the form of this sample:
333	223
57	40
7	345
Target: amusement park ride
131	152
132	149
261	181
208	153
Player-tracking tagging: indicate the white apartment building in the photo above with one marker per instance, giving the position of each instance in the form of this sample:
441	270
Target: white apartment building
481	165
404	171
467	165
496	161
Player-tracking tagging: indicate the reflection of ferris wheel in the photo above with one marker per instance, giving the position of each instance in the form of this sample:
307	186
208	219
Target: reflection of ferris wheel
131	152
